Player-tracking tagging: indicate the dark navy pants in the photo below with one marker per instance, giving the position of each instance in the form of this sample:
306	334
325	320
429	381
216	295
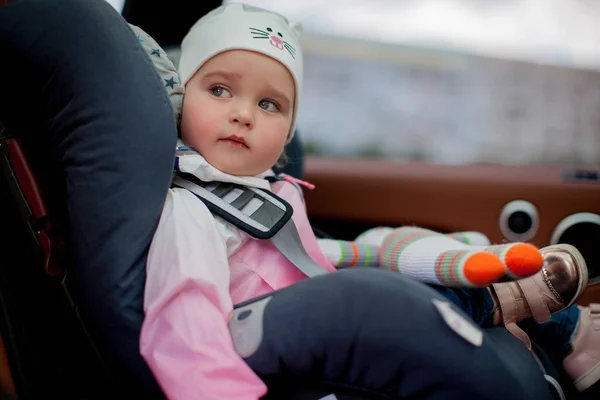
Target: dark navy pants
553	336
378	332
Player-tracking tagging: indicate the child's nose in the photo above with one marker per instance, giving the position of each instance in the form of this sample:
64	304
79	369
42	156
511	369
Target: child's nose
242	116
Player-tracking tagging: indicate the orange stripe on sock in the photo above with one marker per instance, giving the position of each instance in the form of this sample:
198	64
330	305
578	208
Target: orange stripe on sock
355	250
390	237
451	266
438	266
400	243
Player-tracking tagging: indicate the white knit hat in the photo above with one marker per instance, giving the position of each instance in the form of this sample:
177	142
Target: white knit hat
242	27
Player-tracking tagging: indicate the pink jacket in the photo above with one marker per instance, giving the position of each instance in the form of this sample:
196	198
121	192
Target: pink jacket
198	267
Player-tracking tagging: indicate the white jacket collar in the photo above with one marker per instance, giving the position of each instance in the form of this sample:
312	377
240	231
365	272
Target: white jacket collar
190	161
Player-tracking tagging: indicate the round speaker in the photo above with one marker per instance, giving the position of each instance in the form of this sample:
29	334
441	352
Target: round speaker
582	230
519	221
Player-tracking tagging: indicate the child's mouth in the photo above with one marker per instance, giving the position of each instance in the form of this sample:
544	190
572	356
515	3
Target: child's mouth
236	141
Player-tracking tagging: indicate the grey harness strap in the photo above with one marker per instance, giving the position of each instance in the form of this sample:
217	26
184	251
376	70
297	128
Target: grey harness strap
260	213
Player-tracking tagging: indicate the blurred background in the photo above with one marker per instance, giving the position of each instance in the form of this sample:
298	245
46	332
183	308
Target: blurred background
450	81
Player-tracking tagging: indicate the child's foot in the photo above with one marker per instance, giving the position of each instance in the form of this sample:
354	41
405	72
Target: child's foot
436	258
583	364
521	259
558	285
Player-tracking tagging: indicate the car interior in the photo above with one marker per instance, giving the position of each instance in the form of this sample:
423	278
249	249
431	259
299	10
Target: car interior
504	146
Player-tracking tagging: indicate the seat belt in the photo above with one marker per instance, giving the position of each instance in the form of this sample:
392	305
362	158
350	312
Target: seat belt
258	212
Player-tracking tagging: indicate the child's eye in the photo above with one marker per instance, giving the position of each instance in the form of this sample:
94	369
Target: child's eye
268	105
220	91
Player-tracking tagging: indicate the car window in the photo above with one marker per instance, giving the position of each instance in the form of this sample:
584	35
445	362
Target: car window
450	81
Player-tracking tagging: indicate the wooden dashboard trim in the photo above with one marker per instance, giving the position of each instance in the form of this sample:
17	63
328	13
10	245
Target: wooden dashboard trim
437	196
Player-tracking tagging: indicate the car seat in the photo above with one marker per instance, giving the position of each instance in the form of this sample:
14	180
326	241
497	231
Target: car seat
86	155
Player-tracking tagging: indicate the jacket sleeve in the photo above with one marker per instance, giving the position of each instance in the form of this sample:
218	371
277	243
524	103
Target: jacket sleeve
185	337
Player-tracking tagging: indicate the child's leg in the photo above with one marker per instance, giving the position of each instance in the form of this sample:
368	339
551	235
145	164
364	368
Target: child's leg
379	327
343	254
520	259
439	259
462	268
433	258
475	302
377	236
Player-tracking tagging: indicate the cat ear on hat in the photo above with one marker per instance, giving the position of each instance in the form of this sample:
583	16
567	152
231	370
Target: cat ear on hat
297	28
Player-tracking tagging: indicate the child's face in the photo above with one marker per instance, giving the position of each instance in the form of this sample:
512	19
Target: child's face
237	111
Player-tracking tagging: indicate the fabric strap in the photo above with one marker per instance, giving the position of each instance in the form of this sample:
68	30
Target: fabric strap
507	300
269	217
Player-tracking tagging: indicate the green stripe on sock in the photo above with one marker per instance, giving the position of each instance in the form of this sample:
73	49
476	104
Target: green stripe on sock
449	272
465	238
498	250
367	255
392	262
458	269
440	272
342	253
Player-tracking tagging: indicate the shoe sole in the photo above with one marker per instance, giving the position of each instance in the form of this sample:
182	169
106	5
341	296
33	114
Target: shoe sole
579	263
589	379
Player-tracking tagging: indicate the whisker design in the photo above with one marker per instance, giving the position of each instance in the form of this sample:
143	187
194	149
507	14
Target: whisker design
290	49
256	31
260	34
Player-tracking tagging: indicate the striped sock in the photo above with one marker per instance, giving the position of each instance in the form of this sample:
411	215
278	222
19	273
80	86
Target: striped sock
344	254
437	258
377	236
520	260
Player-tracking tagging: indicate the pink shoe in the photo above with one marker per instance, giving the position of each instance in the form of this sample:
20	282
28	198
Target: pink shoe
583	364
558	285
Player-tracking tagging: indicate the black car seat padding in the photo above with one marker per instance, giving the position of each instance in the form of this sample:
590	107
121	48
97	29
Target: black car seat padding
94	119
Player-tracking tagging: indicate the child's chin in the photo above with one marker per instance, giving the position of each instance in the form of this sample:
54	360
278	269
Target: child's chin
232	168
238	166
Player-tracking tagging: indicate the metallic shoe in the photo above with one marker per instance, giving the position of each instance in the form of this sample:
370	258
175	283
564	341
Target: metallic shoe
558	285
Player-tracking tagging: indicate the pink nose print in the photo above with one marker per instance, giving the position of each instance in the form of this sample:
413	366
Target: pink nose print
275	41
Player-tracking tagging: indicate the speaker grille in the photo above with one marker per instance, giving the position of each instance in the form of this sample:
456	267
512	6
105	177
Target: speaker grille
583	232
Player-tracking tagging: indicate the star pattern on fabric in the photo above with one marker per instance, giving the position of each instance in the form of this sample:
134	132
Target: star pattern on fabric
170	82
155	52
140	39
